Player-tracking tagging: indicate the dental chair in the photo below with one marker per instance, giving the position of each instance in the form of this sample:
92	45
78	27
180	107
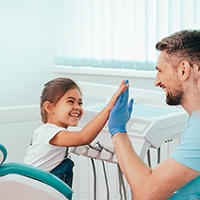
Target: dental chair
23	182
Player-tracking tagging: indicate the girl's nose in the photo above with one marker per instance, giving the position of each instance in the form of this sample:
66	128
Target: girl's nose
77	107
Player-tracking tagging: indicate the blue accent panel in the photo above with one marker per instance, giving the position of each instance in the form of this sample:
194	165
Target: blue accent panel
105	63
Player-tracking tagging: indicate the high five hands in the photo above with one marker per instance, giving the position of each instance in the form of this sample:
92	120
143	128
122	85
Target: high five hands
121	113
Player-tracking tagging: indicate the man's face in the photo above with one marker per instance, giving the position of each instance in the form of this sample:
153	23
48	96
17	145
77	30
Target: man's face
167	79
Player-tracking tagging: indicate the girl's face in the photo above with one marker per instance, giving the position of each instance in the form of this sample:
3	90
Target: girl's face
68	110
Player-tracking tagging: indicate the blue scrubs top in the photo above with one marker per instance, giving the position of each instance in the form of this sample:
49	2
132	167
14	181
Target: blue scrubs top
188	154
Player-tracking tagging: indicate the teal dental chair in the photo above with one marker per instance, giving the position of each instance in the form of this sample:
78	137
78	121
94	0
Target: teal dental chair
23	182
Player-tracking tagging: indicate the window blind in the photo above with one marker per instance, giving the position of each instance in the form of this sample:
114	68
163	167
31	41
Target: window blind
121	33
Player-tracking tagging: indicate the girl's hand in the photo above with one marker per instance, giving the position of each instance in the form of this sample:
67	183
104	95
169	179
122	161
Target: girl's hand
123	86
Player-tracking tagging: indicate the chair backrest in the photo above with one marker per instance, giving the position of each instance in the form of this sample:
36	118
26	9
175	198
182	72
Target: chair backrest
32	174
3	154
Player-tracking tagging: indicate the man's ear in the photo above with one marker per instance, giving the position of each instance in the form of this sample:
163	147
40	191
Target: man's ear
48	106
197	74
184	70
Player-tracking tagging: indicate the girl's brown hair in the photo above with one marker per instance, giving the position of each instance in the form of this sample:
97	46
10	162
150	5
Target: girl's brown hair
53	91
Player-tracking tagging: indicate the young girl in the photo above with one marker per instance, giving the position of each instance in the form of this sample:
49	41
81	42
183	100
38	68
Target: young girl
61	107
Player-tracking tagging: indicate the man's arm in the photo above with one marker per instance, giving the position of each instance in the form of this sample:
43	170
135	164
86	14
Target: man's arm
146	183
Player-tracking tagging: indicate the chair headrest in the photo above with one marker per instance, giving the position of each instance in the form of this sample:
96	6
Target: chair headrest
3	154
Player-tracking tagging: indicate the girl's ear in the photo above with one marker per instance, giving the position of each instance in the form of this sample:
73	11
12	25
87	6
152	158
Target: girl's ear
48	106
184	70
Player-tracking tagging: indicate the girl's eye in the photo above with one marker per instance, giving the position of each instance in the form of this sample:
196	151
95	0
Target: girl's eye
70	101
80	103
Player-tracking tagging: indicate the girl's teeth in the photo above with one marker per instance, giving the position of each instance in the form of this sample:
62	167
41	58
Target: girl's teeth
74	115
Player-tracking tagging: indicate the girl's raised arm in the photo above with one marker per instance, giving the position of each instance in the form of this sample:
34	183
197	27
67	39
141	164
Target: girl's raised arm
89	132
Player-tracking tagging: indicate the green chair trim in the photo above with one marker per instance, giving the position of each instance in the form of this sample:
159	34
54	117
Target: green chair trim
4	151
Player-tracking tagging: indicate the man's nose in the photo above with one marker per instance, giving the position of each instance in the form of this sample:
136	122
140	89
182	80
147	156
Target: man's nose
157	80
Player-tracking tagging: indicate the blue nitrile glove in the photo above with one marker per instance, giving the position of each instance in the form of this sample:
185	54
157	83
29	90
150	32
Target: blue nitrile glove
120	114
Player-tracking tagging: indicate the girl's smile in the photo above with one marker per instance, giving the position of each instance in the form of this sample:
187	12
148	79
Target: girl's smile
68	110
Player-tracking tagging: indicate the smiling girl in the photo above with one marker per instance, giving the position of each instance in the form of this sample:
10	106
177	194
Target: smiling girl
61	107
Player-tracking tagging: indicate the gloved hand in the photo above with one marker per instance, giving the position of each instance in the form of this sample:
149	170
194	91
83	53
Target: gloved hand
121	113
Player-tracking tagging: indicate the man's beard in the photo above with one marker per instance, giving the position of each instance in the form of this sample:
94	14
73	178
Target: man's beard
174	100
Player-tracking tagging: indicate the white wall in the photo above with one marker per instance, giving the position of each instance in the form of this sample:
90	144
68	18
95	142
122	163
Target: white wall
29	38
137	79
